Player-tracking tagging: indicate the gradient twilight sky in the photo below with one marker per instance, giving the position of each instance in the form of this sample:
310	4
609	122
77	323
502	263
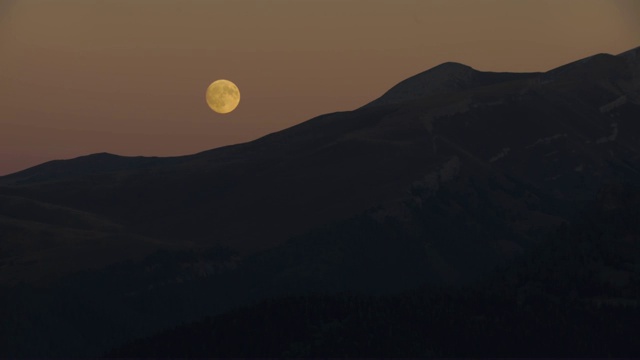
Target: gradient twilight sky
128	76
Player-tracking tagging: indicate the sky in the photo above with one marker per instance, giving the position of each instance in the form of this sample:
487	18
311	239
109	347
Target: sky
128	77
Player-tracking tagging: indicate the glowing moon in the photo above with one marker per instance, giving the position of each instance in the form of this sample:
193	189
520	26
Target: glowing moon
223	96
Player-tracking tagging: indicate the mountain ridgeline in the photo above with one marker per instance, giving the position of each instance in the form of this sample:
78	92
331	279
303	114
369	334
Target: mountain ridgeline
461	183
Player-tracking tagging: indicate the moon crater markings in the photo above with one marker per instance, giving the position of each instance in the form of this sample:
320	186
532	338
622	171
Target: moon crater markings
223	96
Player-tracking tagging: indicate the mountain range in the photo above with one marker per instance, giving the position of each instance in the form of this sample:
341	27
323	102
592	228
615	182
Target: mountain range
447	176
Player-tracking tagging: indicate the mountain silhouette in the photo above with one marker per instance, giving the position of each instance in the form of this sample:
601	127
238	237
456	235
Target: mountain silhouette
448	176
530	146
446	78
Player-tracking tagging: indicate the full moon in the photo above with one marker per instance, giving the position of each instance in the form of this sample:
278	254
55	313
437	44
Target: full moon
223	96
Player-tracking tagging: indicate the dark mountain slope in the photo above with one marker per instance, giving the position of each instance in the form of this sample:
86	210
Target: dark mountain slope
535	144
575	294
40	242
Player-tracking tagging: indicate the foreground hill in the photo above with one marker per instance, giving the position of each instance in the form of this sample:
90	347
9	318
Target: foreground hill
577	294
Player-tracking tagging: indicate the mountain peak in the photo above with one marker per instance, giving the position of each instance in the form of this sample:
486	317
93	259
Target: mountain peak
444	78
448	77
450	66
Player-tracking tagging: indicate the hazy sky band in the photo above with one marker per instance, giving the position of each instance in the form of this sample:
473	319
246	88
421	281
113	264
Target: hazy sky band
128	76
